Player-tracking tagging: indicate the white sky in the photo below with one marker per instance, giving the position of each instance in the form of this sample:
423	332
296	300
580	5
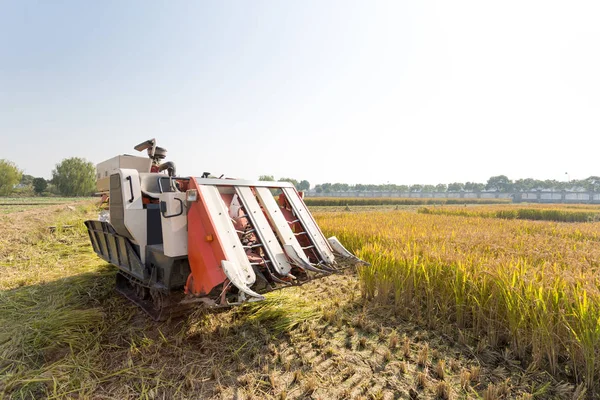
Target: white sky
329	91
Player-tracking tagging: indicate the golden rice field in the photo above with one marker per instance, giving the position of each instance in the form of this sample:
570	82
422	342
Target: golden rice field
452	308
528	288
545	212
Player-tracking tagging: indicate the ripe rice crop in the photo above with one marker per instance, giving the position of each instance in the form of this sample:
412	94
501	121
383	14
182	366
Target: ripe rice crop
391	201
538	212
65	333
531	287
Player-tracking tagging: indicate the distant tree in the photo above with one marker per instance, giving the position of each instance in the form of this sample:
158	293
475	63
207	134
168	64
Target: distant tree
456	187
26	180
474	187
340	187
303	185
592	183
390	187
266	178
10	175
39	185
499	183
74	177
549	184
290	180
575	184
478	187
525	184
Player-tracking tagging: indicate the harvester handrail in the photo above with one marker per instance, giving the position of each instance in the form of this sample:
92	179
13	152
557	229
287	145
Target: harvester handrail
241	182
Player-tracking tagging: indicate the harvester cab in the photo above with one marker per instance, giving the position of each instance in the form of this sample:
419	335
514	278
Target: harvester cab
181	242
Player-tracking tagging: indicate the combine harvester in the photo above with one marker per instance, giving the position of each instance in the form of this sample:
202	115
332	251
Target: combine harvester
181	242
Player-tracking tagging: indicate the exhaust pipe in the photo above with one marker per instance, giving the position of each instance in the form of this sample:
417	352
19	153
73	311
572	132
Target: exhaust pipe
169	165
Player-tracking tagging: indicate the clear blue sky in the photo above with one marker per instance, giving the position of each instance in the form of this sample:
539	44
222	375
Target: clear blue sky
329	91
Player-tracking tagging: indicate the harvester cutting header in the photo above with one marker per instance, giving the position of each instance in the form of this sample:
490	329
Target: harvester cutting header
185	241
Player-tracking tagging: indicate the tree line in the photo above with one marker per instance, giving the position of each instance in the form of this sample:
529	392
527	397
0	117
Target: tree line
73	177
499	183
70	178
77	177
302	185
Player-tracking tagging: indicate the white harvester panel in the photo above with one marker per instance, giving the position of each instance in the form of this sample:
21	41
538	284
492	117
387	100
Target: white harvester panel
282	228
263	230
111	166
309	224
237	266
174	224
134	214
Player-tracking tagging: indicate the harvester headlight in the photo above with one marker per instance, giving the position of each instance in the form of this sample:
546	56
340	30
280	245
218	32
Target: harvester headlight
191	195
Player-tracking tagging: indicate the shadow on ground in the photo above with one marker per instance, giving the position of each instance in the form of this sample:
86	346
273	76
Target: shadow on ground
76	337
